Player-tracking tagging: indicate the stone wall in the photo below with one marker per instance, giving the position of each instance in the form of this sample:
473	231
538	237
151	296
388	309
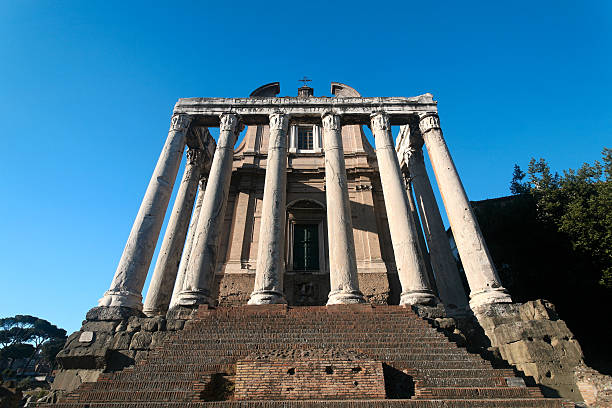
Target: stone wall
110	339
596	388
306	289
531	337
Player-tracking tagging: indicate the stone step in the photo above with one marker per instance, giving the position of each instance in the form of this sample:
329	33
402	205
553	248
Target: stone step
465	372
473	392
457	403
220	349
137	384
478	382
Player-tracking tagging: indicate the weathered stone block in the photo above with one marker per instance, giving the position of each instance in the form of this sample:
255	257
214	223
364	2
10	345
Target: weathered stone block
175	324
100	326
534	329
141	341
69	380
154	324
76	355
104	313
135	324
121	341
526	351
158	338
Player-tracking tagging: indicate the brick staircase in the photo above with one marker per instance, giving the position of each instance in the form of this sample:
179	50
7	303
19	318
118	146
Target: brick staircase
196	367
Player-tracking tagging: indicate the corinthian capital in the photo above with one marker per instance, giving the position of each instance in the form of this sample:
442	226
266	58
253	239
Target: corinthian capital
331	121
380	121
180	122
279	121
428	122
414	155
230	122
194	156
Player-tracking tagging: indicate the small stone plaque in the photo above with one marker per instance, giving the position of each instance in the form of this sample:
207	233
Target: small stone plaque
515	382
86	337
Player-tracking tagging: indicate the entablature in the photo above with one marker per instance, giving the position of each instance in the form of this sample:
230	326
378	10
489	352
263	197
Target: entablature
354	110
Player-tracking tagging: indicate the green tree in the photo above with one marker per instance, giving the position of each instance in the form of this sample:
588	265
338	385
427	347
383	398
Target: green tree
24	336
578	204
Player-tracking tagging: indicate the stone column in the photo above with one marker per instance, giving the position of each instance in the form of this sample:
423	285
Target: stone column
126	287
410	266
166	267
485	285
419	231
448	280
270	260
342	262
180	277
203	258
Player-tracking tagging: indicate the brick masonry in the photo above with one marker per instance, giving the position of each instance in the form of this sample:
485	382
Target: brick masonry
212	358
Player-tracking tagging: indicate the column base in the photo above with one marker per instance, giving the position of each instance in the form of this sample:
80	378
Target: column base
418	297
194	297
338	297
160	311
489	296
266	297
121	298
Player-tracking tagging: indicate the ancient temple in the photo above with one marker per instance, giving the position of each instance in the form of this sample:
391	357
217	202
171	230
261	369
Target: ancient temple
301	264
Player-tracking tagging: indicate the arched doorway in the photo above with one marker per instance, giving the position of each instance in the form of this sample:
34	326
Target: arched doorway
307	277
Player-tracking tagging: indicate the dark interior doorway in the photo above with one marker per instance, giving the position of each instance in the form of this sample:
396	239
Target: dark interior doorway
305	247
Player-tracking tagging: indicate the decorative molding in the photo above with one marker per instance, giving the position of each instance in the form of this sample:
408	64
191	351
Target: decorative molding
428	122
331	121
180	122
380	121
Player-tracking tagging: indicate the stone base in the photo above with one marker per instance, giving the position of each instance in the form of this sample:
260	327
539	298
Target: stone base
345	298
267	297
418	297
195	297
117	298
112	338
488	297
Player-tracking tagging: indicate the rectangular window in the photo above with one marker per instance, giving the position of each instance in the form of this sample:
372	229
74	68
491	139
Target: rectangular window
305	139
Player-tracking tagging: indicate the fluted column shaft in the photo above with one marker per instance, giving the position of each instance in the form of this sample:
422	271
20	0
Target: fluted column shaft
448	280
126	287
485	285
268	286
410	266
203	258
342	261
180	277
166	267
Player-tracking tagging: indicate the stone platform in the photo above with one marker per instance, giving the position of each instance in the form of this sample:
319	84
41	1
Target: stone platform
403	360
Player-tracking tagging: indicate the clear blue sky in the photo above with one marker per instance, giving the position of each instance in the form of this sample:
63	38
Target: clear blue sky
87	89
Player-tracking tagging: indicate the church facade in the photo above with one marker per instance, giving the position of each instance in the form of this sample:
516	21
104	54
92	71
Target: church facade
306	263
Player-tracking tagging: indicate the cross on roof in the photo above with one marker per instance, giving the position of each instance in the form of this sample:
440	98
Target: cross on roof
305	80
